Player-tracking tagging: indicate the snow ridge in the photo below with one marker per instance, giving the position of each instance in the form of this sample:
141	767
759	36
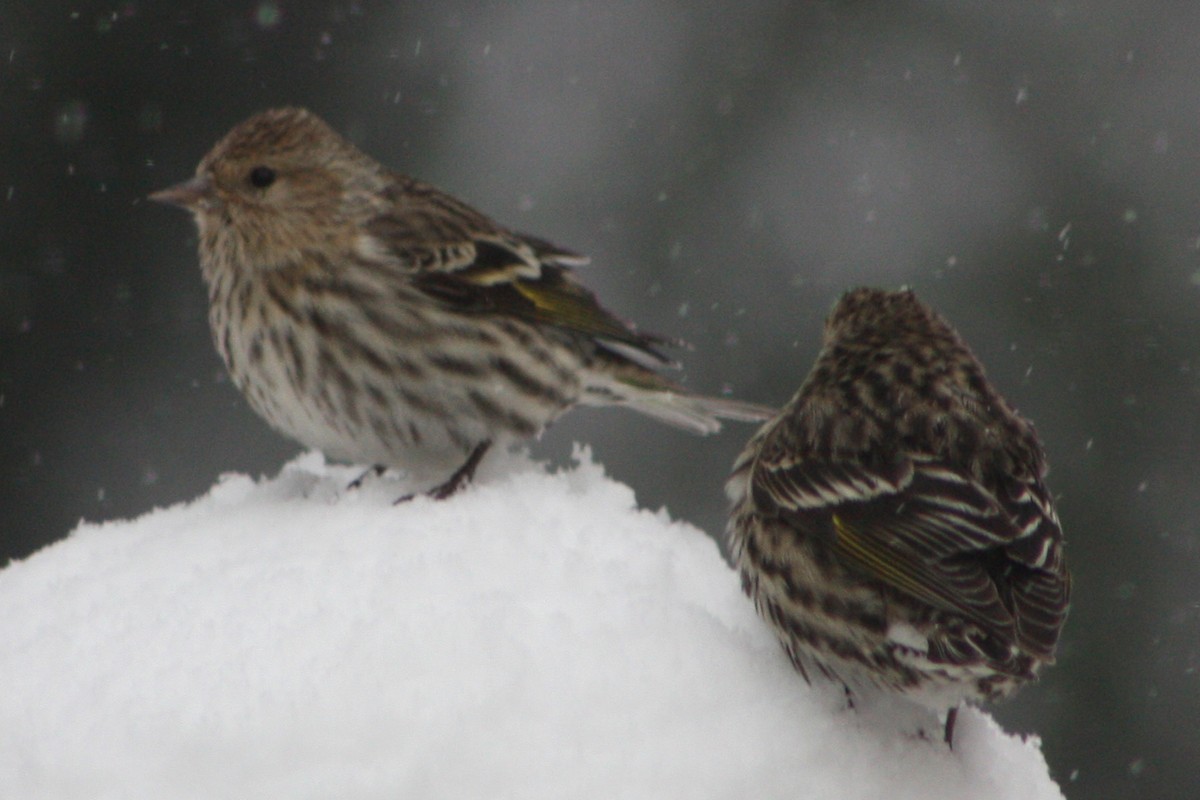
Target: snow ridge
537	635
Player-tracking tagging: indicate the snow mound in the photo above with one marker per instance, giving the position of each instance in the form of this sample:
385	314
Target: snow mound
537	635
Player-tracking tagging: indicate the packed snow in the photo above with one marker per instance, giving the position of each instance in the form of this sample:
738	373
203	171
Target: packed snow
537	635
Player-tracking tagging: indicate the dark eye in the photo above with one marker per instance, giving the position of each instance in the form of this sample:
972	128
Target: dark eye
262	177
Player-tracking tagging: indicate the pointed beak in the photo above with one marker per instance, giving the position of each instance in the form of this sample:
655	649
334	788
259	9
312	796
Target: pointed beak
192	195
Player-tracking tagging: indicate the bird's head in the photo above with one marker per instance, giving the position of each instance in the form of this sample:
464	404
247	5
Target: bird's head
277	186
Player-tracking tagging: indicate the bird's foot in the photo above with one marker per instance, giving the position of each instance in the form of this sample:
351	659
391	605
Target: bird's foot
357	483
461	477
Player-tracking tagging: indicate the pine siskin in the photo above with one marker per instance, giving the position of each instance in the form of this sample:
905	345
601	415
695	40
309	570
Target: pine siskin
384	322
891	523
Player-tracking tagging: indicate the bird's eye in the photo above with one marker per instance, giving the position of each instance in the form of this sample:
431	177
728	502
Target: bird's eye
262	177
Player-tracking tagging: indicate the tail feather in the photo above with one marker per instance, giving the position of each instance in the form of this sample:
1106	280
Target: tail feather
674	406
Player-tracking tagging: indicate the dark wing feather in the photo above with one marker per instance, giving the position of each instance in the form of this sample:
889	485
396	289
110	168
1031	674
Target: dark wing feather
550	253
1040	585
462	259
936	535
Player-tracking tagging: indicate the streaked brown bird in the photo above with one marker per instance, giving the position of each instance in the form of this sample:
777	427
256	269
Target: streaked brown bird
892	524
384	322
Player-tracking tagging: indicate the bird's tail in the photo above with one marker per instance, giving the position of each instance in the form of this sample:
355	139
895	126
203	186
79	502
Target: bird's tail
656	397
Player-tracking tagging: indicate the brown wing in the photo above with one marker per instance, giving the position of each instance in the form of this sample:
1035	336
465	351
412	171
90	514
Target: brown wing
464	260
936	535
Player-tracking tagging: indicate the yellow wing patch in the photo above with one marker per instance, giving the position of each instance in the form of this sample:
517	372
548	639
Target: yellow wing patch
571	307
899	570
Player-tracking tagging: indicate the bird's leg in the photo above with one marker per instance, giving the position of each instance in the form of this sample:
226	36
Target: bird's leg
951	718
357	483
460	478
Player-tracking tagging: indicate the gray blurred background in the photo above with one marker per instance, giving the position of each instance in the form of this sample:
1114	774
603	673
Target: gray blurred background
1029	167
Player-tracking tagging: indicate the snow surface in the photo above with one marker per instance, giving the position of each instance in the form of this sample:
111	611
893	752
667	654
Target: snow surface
537	635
